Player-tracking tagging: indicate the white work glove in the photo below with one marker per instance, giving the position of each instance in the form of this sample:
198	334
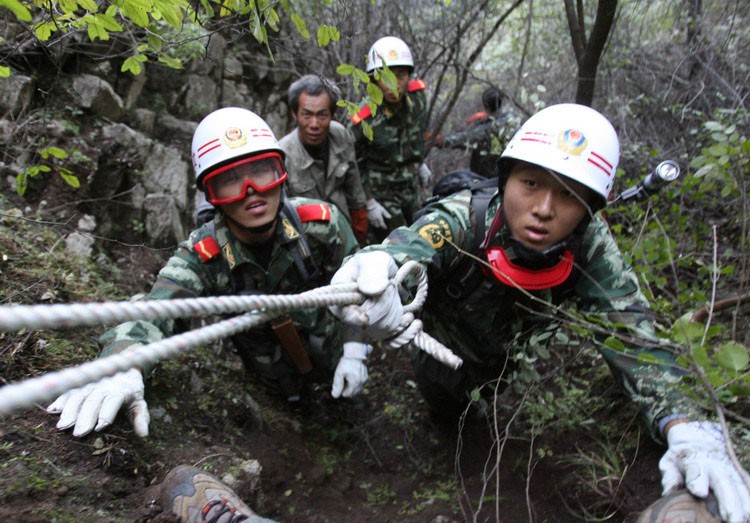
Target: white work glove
377	214
697	458
379	316
94	406
351	371
425	175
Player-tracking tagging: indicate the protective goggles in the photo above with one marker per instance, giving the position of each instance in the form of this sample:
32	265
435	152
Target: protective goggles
231	183
514	275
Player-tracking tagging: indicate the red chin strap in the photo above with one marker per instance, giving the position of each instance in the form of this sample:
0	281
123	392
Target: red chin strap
514	275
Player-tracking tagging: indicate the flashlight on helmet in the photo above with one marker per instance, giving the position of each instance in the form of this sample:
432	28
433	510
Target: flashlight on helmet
664	173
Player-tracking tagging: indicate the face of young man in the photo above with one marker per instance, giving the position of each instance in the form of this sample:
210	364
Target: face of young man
313	118
543	208
402	78
253	208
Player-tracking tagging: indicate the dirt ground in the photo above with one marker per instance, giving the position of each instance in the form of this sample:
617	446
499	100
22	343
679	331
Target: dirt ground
376	459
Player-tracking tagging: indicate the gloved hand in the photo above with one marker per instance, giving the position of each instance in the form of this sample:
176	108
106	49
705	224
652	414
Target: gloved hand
351	371
697	458
94	406
425	175
377	214
380	315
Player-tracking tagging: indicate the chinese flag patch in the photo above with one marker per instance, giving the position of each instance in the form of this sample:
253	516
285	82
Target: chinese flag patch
207	248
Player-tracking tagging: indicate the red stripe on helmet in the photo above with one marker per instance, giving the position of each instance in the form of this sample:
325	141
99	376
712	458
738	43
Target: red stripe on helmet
202	154
599	157
207	144
608	172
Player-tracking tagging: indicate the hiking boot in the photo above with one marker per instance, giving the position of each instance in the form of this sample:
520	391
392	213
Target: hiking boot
681	507
198	497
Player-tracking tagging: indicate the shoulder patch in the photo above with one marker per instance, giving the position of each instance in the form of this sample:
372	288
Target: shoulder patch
363	114
314	212
416	85
207	248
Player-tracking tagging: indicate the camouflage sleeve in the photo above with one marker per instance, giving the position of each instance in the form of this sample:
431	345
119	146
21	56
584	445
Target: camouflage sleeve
361	145
610	294
184	276
419	122
332	241
354	188
469	138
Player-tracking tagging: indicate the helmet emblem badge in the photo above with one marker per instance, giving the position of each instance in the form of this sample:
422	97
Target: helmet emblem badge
572	141
234	137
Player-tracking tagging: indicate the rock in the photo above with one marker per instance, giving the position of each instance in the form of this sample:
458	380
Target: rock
96	94
15	94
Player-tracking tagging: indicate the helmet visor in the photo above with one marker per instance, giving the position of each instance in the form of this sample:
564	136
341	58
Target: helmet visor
232	182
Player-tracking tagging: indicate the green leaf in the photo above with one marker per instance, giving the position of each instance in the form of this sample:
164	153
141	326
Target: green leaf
375	94
22	182
4	71
55	152
133	65
700	355
732	356
21	11
171	11
44	169
614	343
323	37
174	63
44	30
301	26
70	178
345	69
89	5
366	130
686	332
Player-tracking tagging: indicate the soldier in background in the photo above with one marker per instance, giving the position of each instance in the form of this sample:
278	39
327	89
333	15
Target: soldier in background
487	134
389	163
320	157
543	245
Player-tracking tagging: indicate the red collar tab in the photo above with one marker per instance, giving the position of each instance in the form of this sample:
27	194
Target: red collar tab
416	85
363	114
207	248
514	275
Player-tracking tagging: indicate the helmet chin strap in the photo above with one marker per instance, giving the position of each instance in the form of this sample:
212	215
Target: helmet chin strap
520	266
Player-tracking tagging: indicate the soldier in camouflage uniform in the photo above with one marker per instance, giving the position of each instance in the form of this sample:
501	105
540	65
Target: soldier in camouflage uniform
486	136
544	246
389	163
258	242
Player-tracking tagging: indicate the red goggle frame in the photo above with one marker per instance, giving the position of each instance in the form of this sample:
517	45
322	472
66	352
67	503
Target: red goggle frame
211	197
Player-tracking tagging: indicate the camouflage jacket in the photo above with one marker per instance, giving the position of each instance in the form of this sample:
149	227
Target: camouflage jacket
494	320
195	271
393	156
340	185
485	139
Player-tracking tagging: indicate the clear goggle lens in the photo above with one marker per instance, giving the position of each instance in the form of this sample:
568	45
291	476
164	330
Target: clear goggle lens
232	182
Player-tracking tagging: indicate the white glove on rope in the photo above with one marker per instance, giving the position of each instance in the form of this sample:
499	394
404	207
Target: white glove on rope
94	406
697	458
379	316
377	214
351	371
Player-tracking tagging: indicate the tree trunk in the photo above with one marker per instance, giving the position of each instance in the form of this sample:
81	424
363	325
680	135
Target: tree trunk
588	51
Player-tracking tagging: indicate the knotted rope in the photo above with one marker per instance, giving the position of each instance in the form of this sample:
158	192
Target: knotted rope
25	394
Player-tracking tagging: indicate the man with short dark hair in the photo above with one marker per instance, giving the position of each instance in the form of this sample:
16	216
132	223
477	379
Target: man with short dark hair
320	152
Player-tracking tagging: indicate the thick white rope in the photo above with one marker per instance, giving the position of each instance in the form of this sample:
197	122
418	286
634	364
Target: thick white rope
17	396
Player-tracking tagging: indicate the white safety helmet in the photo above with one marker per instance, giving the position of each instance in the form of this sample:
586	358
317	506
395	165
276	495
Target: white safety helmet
227	135
390	51
573	140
